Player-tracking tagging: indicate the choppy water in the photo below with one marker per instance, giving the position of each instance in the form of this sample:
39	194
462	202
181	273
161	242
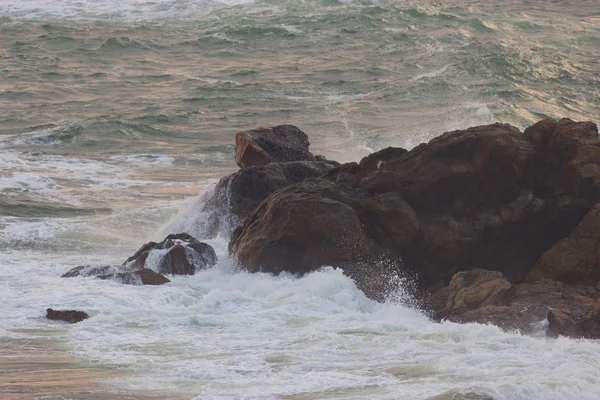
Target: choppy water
115	114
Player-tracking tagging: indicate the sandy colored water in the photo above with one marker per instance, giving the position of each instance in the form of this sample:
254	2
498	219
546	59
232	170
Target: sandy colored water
41	369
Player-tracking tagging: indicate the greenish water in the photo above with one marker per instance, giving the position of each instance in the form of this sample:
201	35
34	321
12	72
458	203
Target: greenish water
114	115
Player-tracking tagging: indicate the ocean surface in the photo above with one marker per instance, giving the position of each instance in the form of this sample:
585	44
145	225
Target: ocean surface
116	114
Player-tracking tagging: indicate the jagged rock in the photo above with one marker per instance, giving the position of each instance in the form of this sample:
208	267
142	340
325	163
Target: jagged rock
576	322
477	288
262	146
177	254
238	194
70	316
305	226
485	196
576	258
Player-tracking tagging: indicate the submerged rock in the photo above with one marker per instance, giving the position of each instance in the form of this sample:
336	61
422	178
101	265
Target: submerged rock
453	395
262	146
119	273
70	316
177	254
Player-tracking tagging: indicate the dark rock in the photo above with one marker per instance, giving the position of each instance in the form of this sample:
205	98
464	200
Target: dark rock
131	275
504	317
576	258
91	270
262	146
70	316
144	276
308	225
485	196
237	195
177	254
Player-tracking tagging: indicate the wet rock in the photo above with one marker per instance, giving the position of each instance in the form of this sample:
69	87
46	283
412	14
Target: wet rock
454	395
485	196
576	258
177	254
504	317
70	316
477	288
238	194
92	270
262	146
305	226
130	275
483	297
144	276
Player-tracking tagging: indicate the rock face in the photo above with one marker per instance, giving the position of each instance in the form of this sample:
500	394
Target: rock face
484	296
237	195
477	288
177	254
262	146
487	196
305	226
576	258
70	316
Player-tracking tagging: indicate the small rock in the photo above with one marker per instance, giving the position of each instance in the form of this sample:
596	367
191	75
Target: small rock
453	395
70	316
184	255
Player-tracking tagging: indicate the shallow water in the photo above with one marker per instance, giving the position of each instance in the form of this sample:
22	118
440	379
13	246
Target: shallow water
115	116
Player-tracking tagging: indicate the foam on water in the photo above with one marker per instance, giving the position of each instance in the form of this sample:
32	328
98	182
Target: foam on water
221	334
111	9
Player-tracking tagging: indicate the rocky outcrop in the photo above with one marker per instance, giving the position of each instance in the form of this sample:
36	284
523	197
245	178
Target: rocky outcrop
262	146
119	273
486	196
237	195
483	296
477	288
303	227
70	316
576	258
177	254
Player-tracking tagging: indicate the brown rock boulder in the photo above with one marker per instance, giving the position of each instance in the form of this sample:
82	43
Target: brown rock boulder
262	146
576	258
70	316
477	288
485	196
237	195
309	225
177	254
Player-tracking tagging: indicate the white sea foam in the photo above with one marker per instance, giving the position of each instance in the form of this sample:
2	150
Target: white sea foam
221	334
111	9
